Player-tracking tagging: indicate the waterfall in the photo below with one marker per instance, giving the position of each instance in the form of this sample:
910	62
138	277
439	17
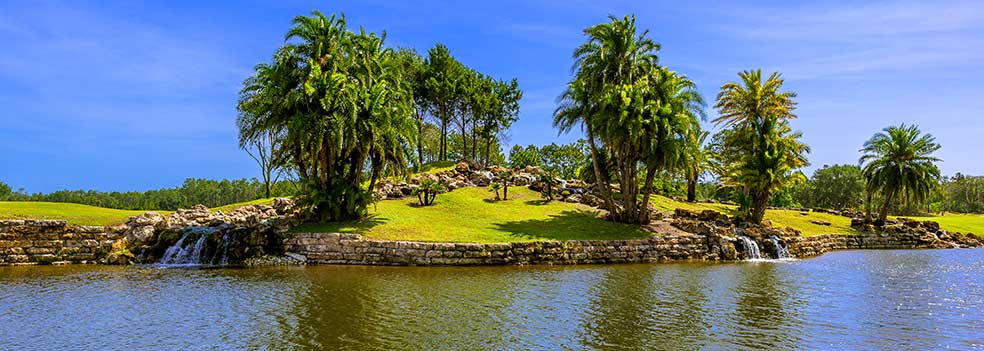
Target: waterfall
781	251
751	248
185	252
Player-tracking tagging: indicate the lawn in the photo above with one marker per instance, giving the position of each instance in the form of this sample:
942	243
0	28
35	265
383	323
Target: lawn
468	215
964	223
73	213
779	218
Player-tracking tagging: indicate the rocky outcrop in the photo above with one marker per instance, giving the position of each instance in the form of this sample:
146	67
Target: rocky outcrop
465	174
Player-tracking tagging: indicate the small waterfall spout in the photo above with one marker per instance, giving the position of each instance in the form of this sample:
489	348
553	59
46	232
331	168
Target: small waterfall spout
189	249
751	248
782	251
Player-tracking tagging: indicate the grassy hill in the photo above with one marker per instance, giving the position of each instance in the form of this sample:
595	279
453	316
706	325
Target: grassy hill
468	215
779	218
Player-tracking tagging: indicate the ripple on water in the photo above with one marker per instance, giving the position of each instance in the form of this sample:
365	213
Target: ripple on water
926	299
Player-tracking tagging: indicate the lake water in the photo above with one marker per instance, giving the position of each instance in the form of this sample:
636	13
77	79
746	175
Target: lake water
918	299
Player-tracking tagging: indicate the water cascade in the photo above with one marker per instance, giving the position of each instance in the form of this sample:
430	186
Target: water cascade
751	248
781	250
188	250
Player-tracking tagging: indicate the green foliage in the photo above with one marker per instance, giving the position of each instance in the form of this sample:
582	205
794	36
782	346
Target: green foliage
5	191
549	181
339	107
759	153
495	187
505	178
962	193
211	193
427	192
520	157
835	187
631	108
898	165
564	159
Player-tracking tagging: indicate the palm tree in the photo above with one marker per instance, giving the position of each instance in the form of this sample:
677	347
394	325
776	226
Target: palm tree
631	108
695	160
752	100
898	164
341	110
760	152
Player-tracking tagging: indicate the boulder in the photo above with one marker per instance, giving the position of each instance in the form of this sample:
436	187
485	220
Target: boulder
146	219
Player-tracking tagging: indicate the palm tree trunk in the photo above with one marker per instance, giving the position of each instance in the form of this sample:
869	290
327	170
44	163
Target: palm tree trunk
647	190
883	212
420	140
600	182
691	189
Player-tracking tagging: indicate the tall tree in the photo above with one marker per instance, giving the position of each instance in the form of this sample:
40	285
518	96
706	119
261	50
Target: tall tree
638	110
345	122
414	69
898	163
443	85
760	153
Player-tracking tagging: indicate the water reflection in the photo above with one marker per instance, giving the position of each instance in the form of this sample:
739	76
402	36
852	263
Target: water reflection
848	300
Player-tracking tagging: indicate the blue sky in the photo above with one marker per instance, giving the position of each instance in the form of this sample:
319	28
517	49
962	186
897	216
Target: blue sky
126	95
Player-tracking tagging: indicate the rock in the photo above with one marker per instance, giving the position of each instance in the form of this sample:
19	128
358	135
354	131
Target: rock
805	213
462	167
820	222
857	222
139	235
146	219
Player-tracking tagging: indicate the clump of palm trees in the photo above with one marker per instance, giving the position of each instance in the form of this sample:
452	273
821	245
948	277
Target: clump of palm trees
758	153
631	108
340	109
898	164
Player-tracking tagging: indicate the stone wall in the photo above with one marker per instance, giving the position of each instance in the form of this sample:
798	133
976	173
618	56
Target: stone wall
54	242
819	244
331	248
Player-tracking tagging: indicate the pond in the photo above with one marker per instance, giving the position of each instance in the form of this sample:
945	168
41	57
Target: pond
916	299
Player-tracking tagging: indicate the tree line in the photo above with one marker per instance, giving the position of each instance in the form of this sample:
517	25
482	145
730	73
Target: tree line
211	193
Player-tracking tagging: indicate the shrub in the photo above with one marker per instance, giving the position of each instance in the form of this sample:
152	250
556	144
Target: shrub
427	192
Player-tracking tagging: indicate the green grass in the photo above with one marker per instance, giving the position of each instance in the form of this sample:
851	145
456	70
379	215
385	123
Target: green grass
434	167
468	215
85	214
73	213
964	223
779	218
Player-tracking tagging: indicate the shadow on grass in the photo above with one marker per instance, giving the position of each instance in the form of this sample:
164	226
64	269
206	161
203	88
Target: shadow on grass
571	225
540	202
358	227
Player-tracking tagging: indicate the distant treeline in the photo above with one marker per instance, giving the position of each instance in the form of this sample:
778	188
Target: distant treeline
211	193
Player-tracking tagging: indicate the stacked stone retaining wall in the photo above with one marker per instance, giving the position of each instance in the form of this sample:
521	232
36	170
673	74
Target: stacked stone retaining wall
54	241
330	248
333	248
